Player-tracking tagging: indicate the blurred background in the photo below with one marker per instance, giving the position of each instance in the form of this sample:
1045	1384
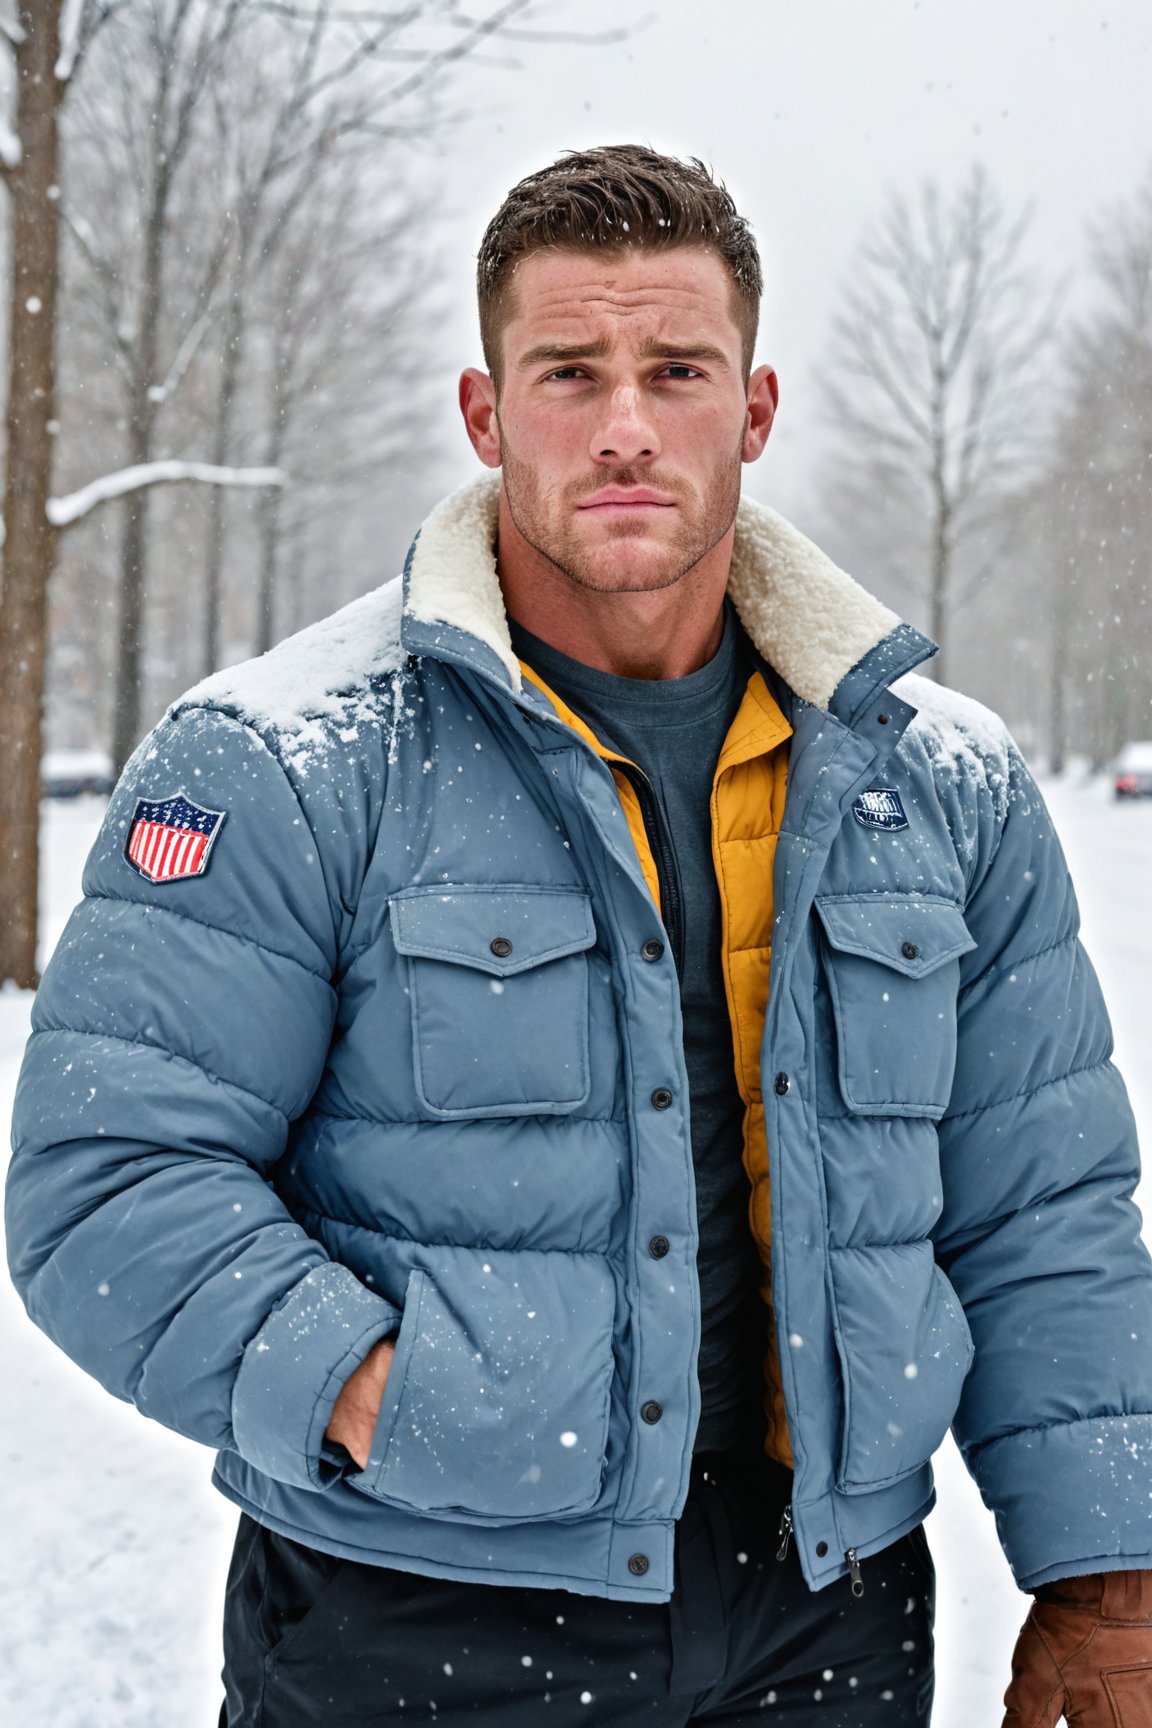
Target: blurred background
270	214
239	238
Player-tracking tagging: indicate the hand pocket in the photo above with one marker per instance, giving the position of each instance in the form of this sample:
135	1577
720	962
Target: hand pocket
904	1348
497	1401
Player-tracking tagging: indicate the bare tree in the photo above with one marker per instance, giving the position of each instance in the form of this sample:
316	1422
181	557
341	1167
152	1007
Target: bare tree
47	42
329	95
231	110
1096	501
28	157
931	379
341	360
156	74
358	76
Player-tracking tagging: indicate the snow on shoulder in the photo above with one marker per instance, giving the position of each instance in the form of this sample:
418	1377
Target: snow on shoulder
318	685
959	733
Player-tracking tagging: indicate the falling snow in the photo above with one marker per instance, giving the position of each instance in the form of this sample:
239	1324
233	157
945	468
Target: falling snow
118	1523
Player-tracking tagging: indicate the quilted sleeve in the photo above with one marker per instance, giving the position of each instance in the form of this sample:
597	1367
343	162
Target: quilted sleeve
1039	1232
182	1024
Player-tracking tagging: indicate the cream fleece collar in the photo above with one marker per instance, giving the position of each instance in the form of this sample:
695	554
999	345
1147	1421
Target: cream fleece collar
808	619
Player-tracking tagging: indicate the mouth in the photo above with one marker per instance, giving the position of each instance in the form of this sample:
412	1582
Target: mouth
614	500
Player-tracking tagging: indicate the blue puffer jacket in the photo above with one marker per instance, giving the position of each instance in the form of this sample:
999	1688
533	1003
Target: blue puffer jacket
386	1052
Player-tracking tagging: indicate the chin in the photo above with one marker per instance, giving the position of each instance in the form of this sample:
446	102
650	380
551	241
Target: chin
627	564
629	575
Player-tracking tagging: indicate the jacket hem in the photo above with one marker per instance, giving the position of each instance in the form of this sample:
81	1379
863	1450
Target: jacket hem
1077	1568
588	1557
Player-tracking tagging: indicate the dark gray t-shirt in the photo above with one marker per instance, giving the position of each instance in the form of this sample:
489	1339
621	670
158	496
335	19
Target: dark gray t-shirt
674	729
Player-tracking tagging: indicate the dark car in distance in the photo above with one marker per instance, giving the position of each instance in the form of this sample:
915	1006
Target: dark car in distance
72	773
1133	771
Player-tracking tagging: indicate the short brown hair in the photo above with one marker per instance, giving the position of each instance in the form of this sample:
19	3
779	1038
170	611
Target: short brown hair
604	200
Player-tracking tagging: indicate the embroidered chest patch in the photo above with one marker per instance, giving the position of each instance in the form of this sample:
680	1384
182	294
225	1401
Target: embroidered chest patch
880	807
171	839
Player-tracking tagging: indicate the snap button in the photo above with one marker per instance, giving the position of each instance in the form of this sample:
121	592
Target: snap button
658	1247
909	950
651	1412
781	1085
501	947
821	1550
661	1098
653	948
638	1565
882	719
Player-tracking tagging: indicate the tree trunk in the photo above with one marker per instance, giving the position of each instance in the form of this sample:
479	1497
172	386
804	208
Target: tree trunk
141	423
280	396
269	562
29	550
292	586
938	593
128	693
1058	680
214	564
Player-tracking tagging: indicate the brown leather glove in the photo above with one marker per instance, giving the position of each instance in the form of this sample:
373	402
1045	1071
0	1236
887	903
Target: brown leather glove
1085	1652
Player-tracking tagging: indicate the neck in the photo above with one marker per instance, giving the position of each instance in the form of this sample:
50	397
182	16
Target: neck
663	633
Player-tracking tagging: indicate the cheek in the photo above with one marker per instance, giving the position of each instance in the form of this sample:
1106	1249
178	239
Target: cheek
704	431
542	438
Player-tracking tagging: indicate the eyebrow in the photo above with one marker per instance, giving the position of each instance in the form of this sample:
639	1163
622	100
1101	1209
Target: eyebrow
562	354
565	354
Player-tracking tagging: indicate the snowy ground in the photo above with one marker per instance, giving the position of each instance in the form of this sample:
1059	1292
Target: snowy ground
115	1545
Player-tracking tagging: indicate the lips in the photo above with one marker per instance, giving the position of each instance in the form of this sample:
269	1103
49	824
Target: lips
626	498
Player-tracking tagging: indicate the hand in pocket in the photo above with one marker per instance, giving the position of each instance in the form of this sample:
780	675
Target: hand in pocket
353	1419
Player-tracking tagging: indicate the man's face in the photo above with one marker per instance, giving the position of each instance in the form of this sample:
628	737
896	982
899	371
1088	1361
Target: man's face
624	415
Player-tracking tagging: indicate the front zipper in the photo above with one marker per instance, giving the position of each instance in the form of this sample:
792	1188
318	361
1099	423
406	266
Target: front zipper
663	856
854	1572
784	1533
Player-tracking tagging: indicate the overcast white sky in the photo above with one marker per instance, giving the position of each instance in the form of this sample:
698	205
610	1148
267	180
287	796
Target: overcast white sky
809	111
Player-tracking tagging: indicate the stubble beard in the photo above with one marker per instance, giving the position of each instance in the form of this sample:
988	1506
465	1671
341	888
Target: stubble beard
560	546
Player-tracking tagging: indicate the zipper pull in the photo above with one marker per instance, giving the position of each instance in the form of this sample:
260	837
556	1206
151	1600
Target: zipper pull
784	1533
854	1571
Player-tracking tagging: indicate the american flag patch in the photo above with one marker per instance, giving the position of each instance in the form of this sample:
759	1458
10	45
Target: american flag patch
171	838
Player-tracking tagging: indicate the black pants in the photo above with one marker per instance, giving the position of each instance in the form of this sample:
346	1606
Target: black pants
311	1641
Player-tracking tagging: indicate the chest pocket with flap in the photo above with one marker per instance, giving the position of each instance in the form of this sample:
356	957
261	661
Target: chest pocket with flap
498	982
893	964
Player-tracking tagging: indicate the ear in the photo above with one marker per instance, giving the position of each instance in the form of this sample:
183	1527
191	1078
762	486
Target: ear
763	396
478	406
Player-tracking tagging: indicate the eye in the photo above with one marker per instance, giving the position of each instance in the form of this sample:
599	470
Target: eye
564	374
677	369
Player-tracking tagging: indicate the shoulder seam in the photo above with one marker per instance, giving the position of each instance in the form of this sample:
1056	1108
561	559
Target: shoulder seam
176	712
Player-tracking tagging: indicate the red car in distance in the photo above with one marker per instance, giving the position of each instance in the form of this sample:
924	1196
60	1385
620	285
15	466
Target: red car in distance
1133	771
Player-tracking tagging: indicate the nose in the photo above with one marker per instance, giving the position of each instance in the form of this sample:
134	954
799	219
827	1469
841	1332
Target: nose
626	432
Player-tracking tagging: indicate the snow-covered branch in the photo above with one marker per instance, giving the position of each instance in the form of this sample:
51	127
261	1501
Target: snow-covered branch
11	149
70	21
62	512
161	393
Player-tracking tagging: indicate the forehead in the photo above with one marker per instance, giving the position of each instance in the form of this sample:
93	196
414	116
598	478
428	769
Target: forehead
620	294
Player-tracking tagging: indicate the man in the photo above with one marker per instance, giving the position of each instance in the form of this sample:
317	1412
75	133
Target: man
575	1071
